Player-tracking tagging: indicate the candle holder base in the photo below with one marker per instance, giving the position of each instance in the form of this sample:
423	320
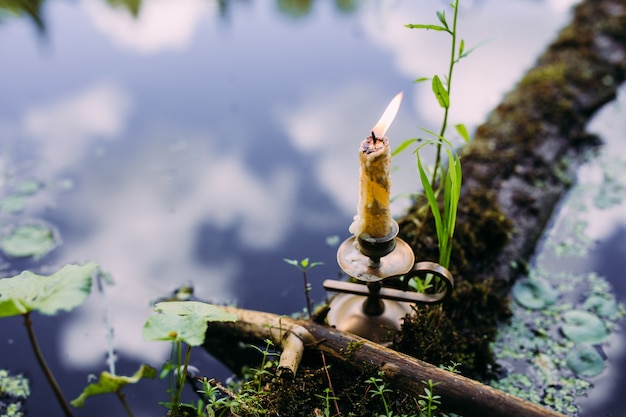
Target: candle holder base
347	314
368	309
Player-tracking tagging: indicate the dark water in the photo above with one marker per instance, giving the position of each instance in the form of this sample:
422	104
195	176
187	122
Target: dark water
204	142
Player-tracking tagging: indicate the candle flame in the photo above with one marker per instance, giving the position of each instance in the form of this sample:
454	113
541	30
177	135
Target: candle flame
386	119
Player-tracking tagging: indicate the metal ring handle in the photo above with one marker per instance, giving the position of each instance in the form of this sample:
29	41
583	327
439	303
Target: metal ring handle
421	269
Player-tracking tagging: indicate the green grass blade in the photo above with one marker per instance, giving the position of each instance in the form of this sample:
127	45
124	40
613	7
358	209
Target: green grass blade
403	146
430	196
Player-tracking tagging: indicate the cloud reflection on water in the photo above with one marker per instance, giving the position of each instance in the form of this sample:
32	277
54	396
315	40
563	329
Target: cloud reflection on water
610	125
503	50
144	223
62	129
142	204
160	26
330	125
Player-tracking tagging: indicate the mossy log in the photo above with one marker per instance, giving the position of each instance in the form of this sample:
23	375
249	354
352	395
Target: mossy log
520	163
459	394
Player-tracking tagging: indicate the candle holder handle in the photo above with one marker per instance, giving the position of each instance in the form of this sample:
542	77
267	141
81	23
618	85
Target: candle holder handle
421	270
369	309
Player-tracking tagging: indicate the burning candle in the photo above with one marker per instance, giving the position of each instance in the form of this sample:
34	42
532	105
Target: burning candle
373	218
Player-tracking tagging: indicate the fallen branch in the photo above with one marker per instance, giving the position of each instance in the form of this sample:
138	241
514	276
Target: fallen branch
459	394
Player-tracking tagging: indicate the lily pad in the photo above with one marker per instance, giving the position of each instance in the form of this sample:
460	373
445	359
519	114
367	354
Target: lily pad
534	293
585	361
113	383
172	328
13	204
184	321
209	312
583	327
29	187
601	305
64	290
29	240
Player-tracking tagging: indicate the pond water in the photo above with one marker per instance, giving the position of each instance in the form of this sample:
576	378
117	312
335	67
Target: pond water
204	141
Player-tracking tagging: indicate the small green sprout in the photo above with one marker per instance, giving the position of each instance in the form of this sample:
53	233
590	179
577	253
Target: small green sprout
380	390
305	265
428	401
327	399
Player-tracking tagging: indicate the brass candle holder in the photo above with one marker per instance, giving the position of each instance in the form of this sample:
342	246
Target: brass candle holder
367	308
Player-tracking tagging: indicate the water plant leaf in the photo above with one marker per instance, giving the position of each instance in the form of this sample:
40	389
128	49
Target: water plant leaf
534	293
28	240
184	321
440	92
109	383
208	312
16	386
603	306
13	204
64	290
28	187
173	328
583	327
585	361
333	240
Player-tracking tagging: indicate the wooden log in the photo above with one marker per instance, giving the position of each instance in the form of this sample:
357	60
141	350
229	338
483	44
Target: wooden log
459	394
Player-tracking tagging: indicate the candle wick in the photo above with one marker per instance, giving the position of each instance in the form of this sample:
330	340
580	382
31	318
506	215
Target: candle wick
374	137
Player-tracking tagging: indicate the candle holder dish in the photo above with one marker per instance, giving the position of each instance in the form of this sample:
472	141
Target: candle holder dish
367	308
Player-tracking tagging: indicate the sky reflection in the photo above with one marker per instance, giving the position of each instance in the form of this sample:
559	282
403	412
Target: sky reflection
161	25
501	55
143	222
610	125
62	131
